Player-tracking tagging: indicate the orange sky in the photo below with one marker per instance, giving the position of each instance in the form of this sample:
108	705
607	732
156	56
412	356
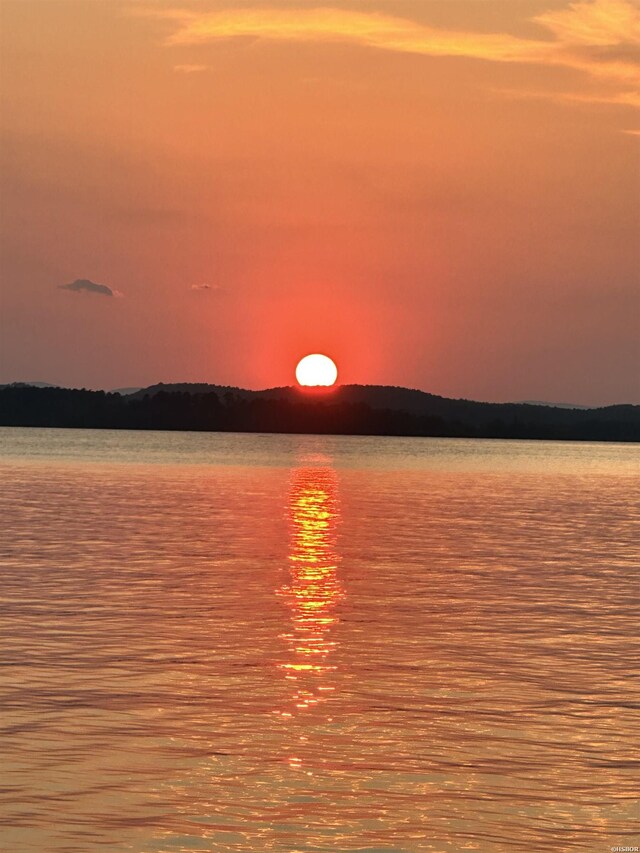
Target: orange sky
440	194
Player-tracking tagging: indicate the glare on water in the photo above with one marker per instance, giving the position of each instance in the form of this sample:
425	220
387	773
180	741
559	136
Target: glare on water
295	643
313	590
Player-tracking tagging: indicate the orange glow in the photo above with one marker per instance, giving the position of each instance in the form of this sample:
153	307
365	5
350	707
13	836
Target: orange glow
314	589
351	209
316	370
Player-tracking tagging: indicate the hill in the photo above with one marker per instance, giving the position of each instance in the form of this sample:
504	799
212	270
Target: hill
28	385
348	409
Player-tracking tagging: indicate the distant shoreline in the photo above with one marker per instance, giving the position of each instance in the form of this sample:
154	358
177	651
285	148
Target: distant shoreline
323	434
348	410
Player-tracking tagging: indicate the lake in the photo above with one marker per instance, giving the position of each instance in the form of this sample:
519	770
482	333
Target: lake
223	642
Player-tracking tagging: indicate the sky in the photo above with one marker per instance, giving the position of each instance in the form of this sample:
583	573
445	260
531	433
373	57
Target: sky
439	194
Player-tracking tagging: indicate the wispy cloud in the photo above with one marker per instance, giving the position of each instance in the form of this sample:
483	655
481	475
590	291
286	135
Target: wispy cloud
594	22
201	287
190	69
598	37
84	285
339	25
616	98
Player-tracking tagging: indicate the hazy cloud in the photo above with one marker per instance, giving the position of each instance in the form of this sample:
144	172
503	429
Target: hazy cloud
625	99
598	37
205	287
595	23
190	69
83	285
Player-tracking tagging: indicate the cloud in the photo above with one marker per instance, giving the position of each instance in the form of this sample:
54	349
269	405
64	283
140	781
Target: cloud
339	25
190	69
205	287
624	99
83	285
597	37
595	23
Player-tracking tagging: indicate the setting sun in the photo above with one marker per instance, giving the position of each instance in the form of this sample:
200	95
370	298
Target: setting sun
316	369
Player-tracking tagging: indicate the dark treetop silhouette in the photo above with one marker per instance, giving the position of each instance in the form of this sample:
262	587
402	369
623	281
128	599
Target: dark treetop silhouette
347	410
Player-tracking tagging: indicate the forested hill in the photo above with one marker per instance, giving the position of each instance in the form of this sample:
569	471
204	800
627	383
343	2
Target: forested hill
349	410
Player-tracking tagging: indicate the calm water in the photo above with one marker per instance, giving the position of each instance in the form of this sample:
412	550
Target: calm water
295	643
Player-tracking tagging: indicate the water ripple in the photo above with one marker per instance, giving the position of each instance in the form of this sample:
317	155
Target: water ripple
312	652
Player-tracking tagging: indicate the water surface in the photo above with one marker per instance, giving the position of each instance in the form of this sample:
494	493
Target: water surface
294	643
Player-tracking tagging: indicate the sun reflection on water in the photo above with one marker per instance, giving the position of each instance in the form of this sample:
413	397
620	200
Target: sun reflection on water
313	589
462	671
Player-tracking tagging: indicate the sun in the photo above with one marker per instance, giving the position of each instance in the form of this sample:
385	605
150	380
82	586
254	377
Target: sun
316	369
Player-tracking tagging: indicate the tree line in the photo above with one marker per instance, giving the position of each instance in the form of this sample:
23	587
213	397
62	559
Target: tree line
27	406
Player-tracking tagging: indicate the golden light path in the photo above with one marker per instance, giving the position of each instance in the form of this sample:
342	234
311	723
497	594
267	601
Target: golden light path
313	589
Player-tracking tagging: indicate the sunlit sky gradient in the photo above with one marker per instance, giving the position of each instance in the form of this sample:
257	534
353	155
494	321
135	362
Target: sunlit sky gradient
441	194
